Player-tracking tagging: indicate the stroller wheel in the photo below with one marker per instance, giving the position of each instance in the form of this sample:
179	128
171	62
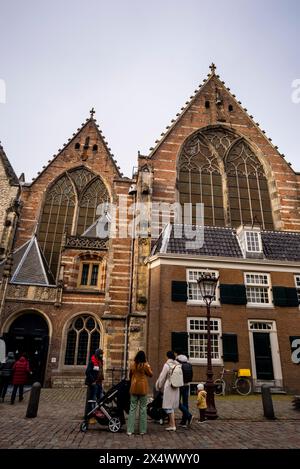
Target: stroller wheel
114	424
84	427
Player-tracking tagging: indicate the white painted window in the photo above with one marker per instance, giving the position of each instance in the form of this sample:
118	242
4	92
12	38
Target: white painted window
194	295
258	289
297	283
197	330
253	241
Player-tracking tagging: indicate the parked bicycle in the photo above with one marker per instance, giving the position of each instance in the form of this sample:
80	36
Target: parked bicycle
240	382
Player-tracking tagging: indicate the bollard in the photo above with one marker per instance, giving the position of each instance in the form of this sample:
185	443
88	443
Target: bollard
34	399
267	402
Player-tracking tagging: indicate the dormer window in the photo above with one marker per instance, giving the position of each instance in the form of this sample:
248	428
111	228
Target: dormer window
250	241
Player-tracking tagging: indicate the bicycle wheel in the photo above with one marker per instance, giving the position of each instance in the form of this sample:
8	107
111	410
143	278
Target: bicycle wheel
219	387
243	386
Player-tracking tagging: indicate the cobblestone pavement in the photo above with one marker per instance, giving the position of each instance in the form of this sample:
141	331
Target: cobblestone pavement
240	425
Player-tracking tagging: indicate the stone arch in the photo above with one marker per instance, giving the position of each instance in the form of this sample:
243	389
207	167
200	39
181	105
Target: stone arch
29	331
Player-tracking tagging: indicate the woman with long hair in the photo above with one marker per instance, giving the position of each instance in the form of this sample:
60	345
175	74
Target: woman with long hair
140	370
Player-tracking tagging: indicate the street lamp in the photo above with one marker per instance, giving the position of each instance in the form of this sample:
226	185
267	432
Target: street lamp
207	285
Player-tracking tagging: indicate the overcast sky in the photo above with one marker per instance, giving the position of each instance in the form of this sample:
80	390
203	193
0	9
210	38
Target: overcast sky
137	62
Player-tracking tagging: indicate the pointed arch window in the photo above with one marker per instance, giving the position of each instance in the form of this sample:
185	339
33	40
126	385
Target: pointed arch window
70	207
56	219
200	180
249	199
93	195
83	338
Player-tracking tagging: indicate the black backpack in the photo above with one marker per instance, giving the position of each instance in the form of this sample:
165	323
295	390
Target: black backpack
187	371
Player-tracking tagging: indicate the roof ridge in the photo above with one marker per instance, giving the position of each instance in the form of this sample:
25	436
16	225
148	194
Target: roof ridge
192	99
71	139
9	170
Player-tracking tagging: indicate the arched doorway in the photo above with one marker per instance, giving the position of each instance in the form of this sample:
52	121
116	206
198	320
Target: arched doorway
29	334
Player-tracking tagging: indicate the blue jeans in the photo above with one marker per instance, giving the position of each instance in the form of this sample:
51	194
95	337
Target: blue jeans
96	392
184	404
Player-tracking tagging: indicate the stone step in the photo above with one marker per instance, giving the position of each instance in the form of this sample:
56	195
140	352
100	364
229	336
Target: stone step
273	390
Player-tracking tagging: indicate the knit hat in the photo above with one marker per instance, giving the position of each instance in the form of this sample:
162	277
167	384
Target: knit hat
182	358
200	387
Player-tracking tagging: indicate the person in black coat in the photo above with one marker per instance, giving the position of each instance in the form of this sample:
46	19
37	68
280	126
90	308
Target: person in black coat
6	372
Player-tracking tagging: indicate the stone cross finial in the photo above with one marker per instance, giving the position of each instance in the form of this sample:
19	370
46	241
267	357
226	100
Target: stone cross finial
212	68
92	112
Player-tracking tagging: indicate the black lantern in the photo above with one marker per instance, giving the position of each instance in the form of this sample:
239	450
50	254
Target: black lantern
207	284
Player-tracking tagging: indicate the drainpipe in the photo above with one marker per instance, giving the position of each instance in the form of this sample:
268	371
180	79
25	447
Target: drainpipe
130	287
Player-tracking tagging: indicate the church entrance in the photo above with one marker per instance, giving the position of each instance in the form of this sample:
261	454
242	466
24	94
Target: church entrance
29	334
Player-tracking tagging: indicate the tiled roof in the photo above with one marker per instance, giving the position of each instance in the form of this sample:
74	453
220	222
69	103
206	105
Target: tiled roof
216	242
223	242
281	245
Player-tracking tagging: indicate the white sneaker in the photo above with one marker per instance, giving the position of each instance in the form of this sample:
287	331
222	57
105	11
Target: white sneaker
171	429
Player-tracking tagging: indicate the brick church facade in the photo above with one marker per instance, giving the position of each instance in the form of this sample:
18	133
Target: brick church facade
65	291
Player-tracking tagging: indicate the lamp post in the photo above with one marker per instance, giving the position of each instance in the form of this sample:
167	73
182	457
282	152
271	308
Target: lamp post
207	285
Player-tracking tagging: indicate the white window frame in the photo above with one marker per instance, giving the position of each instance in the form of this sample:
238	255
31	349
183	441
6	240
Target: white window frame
248	242
297	285
259	285
190	330
200	272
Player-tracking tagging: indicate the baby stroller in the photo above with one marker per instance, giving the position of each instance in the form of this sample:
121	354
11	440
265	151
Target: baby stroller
155	410
109	410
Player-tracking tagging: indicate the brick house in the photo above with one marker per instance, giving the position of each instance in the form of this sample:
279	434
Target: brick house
65	291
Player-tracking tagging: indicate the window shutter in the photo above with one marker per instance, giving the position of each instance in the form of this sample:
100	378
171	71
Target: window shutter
285	296
233	294
230	348
179	291
180	342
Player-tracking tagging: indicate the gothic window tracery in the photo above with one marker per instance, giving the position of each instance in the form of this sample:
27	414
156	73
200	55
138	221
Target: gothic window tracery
219	169
249	199
83	338
70	207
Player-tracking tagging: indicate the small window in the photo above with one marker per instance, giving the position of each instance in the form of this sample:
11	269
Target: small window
95	147
89	275
87	143
258	289
207	104
77	146
197	340
194	295
253	241
230	108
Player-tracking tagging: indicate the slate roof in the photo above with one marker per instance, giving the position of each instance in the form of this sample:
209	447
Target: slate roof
223	242
29	265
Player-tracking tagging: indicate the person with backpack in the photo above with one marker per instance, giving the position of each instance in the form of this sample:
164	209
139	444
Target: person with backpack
187	371
169	382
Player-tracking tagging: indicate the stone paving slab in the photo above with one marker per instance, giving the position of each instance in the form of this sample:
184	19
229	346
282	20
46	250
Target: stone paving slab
240	425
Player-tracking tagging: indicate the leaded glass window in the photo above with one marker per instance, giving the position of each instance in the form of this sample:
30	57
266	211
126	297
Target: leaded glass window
249	199
93	195
83	338
219	169
57	219
200	180
70	207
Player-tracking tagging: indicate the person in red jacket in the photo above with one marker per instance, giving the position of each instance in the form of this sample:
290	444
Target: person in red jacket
21	372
